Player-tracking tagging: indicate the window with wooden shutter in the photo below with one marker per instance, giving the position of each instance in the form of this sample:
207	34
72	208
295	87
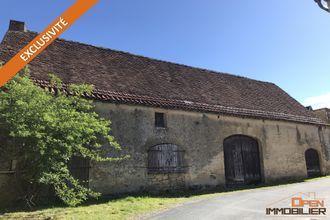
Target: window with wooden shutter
165	158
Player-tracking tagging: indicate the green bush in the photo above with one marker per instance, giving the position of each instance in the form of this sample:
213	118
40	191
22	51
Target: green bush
48	129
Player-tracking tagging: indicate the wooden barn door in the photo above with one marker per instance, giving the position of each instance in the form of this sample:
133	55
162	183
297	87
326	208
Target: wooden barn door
312	163
242	162
79	169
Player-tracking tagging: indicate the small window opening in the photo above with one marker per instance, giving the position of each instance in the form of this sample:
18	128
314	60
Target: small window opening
160	120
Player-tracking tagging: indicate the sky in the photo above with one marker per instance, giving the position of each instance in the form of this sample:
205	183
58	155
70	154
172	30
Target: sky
283	42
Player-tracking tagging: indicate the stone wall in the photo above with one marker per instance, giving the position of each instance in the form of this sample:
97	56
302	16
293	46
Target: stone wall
281	144
166	181
200	135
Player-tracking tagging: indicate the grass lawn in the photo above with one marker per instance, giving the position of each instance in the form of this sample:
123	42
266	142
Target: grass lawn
114	209
128	207
122	208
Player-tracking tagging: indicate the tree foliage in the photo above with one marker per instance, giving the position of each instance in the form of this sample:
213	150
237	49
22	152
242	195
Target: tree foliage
322	5
46	130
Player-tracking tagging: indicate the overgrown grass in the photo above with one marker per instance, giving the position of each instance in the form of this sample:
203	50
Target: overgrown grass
125	206
114	209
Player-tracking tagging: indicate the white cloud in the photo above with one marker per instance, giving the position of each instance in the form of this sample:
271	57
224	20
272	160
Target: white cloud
321	101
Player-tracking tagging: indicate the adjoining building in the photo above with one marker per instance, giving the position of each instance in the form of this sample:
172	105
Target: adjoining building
183	127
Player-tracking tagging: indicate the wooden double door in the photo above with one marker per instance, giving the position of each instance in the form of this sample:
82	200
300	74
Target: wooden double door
242	162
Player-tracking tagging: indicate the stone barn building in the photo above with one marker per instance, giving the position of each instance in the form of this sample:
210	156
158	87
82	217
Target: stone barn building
183	127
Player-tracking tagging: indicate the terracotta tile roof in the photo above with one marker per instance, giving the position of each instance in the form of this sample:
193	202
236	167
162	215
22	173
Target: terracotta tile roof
125	78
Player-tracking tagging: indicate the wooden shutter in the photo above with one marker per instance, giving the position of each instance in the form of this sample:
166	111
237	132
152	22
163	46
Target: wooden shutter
165	158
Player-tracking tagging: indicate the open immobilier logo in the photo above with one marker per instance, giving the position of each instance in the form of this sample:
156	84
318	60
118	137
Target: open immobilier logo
299	204
44	39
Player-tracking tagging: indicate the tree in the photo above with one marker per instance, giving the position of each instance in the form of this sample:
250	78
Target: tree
46	130
322	6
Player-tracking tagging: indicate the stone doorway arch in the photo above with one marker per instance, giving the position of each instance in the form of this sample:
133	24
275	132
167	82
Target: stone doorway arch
312	163
242	160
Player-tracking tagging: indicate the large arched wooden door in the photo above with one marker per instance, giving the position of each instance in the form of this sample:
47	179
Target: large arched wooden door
242	162
312	163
